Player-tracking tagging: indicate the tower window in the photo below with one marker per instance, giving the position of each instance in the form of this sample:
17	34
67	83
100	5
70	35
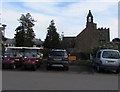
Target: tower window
89	20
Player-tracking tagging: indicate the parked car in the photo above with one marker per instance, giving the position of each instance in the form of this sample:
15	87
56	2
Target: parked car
31	61
10	60
1	57
58	58
107	59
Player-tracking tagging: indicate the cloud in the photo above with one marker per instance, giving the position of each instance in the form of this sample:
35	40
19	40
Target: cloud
41	25
10	19
59	0
70	19
71	10
112	24
62	24
42	7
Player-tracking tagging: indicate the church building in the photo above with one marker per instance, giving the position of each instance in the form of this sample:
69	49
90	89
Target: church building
91	36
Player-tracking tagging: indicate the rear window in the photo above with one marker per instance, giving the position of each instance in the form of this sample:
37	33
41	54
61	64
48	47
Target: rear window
111	54
9	55
58	53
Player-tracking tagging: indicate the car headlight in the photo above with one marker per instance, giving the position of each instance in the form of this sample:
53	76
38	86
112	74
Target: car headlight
12	61
33	62
25	57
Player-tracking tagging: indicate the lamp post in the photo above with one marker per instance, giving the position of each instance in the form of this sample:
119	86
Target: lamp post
2	34
1	42
3	29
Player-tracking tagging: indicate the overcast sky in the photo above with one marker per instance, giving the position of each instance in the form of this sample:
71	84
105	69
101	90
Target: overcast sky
69	16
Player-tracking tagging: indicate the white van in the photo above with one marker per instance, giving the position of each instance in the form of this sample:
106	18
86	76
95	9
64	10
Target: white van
107	59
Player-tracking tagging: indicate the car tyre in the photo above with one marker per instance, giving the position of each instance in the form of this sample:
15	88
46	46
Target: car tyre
13	66
98	68
117	71
66	68
48	68
23	67
34	68
93	65
3	66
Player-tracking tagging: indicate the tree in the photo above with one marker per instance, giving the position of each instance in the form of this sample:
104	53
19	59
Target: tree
52	40
24	33
4	38
116	40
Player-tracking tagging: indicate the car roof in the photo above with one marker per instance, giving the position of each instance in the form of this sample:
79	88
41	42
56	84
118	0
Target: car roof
108	50
24	48
58	50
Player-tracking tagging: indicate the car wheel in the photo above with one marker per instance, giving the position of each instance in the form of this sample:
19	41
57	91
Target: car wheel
48	68
13	66
66	68
93	65
34	68
98	68
38	65
3	66
23	67
117	71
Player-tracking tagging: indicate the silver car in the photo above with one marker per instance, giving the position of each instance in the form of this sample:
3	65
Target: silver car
108	59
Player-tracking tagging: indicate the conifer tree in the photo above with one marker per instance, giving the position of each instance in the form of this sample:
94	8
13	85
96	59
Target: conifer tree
24	33
52	40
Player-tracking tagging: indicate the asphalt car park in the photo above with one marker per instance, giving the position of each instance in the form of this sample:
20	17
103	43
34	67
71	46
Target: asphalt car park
79	77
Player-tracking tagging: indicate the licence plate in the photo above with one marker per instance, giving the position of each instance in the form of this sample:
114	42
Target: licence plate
16	59
111	61
57	65
57	59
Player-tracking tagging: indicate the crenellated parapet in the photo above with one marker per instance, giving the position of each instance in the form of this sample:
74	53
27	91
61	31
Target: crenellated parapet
103	28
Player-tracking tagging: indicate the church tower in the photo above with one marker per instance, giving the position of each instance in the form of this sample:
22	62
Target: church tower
90	22
89	17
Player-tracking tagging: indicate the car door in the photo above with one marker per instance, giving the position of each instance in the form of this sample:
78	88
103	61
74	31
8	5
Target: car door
98	56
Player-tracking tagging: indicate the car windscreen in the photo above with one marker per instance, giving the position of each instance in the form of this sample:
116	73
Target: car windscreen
111	54
30	53
9	55
57	53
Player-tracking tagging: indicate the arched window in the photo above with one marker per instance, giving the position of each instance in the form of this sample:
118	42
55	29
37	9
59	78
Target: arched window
89	19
